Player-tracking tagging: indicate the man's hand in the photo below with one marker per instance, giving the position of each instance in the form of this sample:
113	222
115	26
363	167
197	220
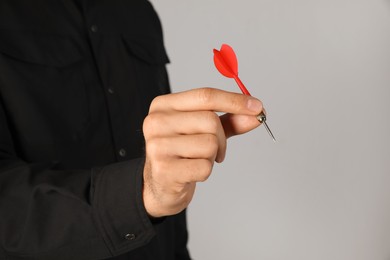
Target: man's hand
184	136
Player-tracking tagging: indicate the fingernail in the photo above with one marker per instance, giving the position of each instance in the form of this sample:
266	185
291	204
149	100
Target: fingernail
254	105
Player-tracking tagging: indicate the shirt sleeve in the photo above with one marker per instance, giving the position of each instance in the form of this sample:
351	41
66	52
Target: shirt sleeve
181	252
68	214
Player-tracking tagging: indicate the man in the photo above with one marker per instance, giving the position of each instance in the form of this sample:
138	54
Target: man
90	167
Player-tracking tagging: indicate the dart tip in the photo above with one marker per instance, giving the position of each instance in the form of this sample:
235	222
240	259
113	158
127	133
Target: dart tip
269	131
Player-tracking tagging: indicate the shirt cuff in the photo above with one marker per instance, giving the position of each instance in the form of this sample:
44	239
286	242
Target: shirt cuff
118	206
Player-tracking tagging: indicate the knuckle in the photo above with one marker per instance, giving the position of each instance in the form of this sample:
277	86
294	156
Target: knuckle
177	189
206	95
213	121
212	144
147	126
205	173
151	123
159	167
155	103
237	103
154	148
151	148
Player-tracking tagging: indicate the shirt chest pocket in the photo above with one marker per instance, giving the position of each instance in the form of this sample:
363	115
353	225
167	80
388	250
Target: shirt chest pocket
150	58
40	49
41	83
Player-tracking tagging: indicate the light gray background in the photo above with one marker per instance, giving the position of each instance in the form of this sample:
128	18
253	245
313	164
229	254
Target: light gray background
322	69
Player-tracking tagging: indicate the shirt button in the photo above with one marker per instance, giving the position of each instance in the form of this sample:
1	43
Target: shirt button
129	236
122	152
94	28
110	90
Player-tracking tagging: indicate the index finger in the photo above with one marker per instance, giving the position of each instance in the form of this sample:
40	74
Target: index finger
207	99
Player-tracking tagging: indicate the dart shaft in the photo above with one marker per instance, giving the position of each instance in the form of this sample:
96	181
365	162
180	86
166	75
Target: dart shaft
242	86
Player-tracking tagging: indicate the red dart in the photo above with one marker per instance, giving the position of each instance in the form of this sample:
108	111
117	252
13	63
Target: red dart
225	61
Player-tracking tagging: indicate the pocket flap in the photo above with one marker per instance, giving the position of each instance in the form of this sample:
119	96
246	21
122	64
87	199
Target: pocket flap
43	49
148	49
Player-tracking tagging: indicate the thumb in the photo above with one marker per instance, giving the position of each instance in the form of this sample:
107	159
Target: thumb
235	124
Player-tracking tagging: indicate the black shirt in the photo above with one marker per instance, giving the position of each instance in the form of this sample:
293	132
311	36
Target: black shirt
76	81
